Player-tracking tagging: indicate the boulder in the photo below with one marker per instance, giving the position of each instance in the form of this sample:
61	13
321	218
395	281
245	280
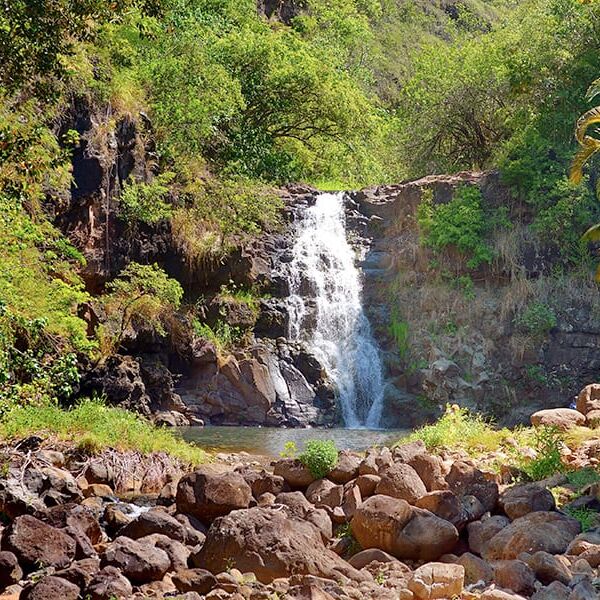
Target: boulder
514	575
270	544
549	568
407	452
430	470
592	419
589	399
520	500
481	532
109	584
139	561
51	588
346	468
10	571
325	493
445	505
497	594
401	481
554	591
366	557
35	543
194	580
437	580
367	484
476	569
80	572
299	507
547	531
207	495
154	521
466	480
262	482
177	552
75	517
297	475
394	526
562	418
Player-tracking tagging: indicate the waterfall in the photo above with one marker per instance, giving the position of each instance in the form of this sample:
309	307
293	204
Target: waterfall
326	312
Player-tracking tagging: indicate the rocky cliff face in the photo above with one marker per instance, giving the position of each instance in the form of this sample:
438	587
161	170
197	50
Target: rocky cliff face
467	346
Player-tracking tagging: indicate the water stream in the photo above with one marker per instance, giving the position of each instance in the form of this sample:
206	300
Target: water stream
326	311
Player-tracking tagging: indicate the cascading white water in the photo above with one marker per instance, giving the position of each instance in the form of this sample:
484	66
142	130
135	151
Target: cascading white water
326	311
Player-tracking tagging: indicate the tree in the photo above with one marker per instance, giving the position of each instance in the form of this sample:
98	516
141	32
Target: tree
142	295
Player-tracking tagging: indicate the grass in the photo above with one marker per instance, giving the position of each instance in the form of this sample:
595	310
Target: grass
93	427
460	429
587	517
582	477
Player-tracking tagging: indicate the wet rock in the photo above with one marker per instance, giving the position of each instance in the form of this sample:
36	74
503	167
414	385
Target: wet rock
393	525
437	580
51	588
562	418
270	544
138	561
519	500
538	531
207	495
109	584
35	543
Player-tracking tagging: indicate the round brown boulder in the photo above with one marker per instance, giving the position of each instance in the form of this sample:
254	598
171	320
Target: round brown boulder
393	525
207	495
34	543
10	571
520	500
551	532
481	532
51	588
270	544
401	481
589	398
109	584
297	475
437	581
466	480
562	418
140	562
346	468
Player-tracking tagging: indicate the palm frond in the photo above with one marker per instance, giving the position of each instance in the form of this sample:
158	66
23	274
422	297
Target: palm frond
592	234
589	147
593	90
588	118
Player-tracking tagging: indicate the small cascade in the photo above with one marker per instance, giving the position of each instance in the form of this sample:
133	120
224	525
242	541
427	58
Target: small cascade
326	312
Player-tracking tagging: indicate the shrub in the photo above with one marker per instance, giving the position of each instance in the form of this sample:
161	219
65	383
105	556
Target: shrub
583	477
458	428
547	443
142	295
460	223
537	319
587	517
147	202
400	333
222	335
320	456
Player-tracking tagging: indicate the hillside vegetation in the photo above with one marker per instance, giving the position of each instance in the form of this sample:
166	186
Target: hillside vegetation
234	100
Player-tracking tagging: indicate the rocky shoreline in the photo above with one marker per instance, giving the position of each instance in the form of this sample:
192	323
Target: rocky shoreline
398	524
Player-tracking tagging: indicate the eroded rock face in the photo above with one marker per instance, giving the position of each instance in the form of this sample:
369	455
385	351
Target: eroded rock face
404	531
270	544
207	495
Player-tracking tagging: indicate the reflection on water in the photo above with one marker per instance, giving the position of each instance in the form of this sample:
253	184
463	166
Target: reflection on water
271	441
